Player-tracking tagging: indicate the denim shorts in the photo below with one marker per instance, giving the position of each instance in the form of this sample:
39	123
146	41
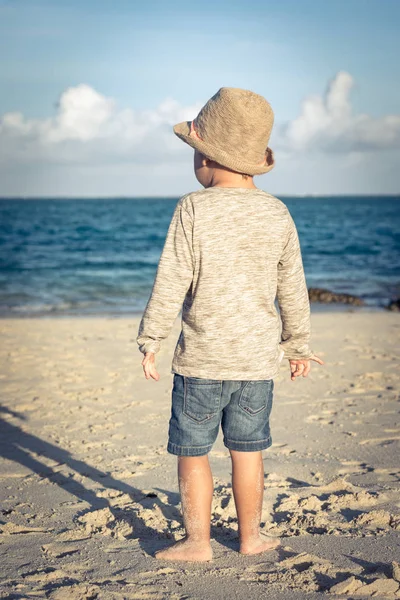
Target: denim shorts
200	405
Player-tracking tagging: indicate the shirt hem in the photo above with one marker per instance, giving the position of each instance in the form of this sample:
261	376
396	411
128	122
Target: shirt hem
225	375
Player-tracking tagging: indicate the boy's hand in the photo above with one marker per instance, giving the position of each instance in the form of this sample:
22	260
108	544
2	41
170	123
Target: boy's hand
149	366
302	366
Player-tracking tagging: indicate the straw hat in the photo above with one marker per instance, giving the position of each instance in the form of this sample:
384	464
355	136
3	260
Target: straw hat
233	128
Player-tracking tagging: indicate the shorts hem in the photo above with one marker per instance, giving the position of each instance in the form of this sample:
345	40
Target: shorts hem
188	450
248	446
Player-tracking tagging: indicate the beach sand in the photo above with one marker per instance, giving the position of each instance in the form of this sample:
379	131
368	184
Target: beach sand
89	491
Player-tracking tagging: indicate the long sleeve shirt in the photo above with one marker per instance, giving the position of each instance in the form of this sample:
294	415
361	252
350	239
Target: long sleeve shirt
228	255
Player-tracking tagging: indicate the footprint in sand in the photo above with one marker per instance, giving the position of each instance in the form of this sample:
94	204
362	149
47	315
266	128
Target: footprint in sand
281	448
14	529
287	403
354	467
387	475
78	591
72	535
59	550
309	573
319	419
45	576
273	480
336	508
381	441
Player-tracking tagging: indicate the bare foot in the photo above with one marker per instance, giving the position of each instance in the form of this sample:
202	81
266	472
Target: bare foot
188	550
260	544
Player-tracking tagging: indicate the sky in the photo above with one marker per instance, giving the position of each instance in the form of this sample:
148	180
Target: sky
90	90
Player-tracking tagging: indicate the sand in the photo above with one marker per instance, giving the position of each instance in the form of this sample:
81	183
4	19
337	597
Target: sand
89	492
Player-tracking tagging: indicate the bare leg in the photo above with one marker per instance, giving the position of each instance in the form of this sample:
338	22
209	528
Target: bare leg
248	492
196	487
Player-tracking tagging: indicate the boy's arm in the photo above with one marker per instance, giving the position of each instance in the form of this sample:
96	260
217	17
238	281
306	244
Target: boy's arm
173	278
293	300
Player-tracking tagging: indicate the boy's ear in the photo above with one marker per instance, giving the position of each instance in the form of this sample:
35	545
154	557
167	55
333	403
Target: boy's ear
208	162
204	161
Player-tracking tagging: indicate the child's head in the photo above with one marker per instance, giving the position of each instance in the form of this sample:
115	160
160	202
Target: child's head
230	134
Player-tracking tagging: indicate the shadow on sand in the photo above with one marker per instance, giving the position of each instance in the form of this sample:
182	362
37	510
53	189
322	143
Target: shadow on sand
26	449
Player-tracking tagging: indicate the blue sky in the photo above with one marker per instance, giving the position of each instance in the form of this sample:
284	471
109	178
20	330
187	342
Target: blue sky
140	56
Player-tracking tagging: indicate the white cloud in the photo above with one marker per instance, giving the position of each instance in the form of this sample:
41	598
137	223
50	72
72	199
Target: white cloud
90	128
327	124
92	146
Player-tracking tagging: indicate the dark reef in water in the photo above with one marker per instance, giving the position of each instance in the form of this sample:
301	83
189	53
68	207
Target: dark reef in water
327	296
394	305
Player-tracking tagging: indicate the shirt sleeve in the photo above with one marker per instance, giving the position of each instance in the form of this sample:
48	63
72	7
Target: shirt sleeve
173	279
293	299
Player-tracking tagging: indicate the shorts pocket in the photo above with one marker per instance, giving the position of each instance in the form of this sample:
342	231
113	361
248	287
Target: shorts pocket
257	396
201	399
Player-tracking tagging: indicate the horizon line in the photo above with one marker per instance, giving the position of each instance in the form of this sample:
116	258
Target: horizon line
174	196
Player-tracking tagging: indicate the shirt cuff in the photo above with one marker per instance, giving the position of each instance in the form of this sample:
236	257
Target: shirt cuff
301	354
150	346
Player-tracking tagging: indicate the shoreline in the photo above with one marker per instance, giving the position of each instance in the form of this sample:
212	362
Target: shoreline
316	308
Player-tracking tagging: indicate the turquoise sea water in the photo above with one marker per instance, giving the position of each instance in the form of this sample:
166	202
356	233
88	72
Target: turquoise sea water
99	256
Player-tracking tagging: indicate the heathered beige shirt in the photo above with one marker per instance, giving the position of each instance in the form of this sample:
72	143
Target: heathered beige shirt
228	254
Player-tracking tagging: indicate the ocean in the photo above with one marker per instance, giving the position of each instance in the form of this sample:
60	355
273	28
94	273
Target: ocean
99	256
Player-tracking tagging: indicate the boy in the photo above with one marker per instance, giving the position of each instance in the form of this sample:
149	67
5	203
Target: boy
230	250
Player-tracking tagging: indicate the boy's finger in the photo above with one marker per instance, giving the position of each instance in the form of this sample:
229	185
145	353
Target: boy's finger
307	370
154	374
150	371
147	368
318	360
298	371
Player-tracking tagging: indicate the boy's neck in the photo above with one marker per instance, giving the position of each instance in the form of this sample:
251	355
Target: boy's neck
231	180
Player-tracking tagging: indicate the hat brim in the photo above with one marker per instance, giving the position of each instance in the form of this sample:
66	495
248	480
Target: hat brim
182	130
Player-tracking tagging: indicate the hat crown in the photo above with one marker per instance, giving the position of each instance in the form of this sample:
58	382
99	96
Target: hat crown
237	121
